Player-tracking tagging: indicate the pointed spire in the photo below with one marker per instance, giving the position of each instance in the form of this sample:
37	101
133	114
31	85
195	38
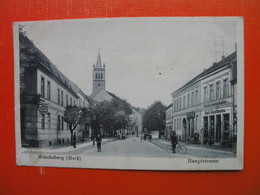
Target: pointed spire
99	64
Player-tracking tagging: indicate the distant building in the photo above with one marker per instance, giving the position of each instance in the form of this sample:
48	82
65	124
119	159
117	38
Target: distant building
206	106
44	95
168	119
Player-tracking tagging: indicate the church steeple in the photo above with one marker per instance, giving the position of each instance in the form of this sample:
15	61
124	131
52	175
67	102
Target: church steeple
99	64
98	76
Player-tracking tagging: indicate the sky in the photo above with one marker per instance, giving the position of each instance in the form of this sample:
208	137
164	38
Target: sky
146	58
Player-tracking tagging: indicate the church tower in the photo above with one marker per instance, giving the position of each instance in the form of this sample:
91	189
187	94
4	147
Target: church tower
98	76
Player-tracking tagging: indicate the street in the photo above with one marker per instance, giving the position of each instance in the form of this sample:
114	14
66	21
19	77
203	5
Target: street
135	147
131	147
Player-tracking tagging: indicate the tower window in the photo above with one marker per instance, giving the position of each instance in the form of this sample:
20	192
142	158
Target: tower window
101	75
96	76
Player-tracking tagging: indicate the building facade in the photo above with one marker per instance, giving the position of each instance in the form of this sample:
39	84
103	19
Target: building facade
44	95
187	110
168	119
204	107
217	102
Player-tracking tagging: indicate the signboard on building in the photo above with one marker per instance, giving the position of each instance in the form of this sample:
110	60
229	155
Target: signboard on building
43	109
216	111
218	102
190	114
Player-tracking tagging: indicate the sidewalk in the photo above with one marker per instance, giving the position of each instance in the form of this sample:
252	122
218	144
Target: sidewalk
66	149
162	143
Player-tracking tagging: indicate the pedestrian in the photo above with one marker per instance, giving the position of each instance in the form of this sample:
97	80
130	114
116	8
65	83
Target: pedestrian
98	140
174	141
93	139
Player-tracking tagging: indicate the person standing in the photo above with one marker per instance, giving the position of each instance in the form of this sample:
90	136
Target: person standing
93	139
98	140
174	141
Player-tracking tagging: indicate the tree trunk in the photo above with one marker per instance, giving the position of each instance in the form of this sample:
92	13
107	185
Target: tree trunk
71	137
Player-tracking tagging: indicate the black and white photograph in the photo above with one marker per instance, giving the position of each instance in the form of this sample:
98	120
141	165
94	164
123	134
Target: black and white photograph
153	93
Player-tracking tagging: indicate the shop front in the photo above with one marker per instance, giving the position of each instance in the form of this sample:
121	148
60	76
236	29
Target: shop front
216	125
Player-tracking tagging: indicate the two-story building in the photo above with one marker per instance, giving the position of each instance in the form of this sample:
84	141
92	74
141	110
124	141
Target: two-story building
44	95
187	109
206	104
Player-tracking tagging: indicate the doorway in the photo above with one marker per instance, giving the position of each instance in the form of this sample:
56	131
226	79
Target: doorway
184	126
205	130
218	128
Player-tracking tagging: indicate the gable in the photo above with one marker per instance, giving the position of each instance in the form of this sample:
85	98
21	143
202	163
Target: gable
102	96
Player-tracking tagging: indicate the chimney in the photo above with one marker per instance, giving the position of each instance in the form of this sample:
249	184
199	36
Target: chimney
222	57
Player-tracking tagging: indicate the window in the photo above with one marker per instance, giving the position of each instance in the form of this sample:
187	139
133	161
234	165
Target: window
74	102
217	90
188	100
211	92
43	121
58	123
62	123
101	75
42	87
58	96
180	102
184	99
96	76
48	90
196	97
49	121
71	101
67	100
192	99
80	102
62	98
225	88
205	94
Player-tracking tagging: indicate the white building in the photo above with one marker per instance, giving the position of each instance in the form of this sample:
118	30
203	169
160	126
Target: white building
44	95
204	106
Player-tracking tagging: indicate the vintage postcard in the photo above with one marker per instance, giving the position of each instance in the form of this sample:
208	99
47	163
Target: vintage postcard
148	93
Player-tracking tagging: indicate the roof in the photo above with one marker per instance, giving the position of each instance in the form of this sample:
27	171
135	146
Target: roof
214	67
47	64
113	95
98	63
169	106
